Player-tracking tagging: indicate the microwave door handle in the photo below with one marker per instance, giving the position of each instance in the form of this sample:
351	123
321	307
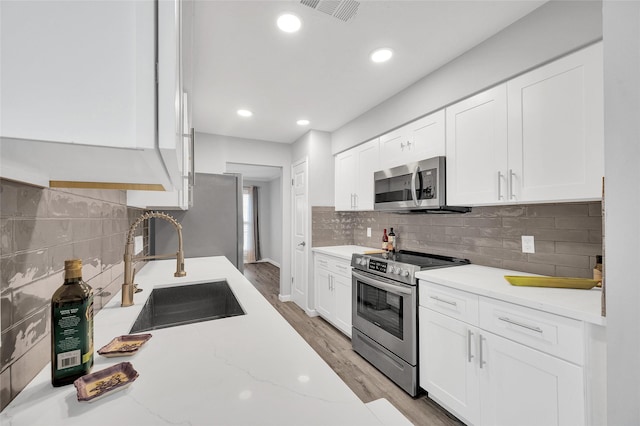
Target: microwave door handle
413	185
395	289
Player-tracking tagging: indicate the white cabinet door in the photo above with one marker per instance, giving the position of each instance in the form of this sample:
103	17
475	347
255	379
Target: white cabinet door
522	386
448	364
324	292
345	179
79	72
343	297
427	136
368	163
418	140
476	145
556	142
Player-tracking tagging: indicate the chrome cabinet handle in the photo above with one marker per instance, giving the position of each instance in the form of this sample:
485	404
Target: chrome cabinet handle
355	201
511	194
500	197
520	324
469	356
436	298
481	358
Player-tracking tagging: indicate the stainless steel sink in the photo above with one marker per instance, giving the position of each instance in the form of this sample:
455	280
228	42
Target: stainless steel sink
181	305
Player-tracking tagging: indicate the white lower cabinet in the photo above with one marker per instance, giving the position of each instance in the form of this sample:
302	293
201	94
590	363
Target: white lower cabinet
332	282
486	379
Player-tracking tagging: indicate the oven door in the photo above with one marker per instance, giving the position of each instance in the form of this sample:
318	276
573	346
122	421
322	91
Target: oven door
385	311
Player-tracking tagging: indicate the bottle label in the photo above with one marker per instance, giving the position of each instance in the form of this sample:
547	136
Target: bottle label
73	339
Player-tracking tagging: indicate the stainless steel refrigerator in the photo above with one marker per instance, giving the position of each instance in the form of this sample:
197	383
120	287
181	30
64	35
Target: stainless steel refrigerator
212	227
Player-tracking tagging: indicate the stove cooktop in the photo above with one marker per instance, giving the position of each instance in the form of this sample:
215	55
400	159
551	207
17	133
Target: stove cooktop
422	260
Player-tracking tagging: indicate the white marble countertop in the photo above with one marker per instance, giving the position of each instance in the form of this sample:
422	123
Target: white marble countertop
252	369
343	252
582	305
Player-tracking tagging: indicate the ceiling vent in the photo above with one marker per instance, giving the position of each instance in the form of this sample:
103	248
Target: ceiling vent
341	9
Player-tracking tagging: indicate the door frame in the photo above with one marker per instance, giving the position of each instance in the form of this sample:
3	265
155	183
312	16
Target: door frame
306	287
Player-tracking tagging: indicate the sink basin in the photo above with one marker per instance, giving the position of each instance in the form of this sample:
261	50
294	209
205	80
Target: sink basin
181	305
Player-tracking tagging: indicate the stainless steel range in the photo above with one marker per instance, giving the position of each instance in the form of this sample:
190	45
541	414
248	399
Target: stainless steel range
385	310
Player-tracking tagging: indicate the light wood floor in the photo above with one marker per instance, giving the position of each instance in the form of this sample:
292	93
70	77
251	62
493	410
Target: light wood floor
335	348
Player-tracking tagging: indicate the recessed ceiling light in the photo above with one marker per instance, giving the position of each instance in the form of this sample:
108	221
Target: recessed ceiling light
381	55
289	23
244	113
302	122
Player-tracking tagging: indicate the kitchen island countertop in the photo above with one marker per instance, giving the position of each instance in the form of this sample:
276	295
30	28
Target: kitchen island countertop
252	369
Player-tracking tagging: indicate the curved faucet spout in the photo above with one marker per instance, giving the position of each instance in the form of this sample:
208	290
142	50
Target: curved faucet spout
128	287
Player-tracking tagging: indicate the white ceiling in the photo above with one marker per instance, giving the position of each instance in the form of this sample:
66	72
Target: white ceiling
322	73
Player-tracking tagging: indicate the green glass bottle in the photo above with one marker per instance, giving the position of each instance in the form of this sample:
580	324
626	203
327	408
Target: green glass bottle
71	327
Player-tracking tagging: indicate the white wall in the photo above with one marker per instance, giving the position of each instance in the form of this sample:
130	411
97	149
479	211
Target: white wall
212	152
621	29
548	32
316	146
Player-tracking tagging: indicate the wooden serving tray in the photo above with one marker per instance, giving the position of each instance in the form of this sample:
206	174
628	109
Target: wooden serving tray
554	282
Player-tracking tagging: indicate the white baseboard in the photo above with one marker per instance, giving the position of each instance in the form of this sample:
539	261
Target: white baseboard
267	260
284	298
311	312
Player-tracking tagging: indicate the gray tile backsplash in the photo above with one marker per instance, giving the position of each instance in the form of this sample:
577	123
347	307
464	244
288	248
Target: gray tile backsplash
568	236
39	229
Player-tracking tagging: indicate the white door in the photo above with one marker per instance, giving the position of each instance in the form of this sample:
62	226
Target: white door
476	142
324	294
300	232
448	364
342	293
513	376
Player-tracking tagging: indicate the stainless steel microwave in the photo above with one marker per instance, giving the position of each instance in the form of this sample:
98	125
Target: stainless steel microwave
419	186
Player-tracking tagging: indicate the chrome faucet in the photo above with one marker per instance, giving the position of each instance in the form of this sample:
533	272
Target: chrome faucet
128	287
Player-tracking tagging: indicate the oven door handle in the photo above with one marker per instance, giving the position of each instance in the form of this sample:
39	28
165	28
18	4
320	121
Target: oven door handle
391	288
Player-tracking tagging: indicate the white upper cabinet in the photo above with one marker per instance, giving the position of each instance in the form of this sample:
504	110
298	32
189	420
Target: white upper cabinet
536	138
477	149
556	119
79	72
420	139
354	171
78	105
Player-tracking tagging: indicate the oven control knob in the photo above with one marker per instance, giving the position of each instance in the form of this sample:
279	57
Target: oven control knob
405	273
395	270
358	260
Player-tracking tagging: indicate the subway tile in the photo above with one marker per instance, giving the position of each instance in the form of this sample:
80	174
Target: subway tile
557	210
84	229
31	234
5	388
482	242
575	261
540	246
32	201
63	204
8	198
30	364
576	235
565	271
447	220
6	236
57	256
595	209
23	268
529	222
6	310
35	296
578	248
483	222
22	337
595	237
532	268
589	222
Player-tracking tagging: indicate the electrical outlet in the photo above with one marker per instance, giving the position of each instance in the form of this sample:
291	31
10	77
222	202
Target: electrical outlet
369	232
528	244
